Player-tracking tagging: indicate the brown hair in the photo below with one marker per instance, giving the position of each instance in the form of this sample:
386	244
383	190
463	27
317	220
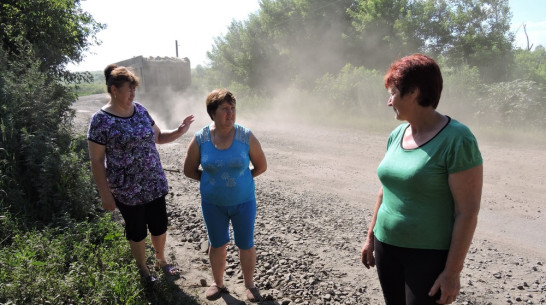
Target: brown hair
416	71
117	76
216	98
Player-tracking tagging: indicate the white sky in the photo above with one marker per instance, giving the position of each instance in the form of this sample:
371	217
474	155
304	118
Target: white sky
150	28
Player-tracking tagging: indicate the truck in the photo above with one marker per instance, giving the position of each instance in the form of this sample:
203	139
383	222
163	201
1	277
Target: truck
160	75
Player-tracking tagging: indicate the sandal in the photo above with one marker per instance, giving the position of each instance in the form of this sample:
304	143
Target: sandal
253	294
167	268
214	292
148	279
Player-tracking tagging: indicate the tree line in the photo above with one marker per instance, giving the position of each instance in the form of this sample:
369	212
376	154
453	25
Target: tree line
335	48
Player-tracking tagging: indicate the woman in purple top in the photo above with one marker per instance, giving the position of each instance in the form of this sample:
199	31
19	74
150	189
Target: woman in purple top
127	169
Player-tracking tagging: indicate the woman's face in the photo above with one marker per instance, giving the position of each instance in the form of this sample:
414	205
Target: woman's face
394	100
399	104
124	94
402	105
225	115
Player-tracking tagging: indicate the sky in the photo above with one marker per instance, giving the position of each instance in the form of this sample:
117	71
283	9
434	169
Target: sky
532	14
151	28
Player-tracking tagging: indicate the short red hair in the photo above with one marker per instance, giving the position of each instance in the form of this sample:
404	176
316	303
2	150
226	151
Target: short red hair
416	71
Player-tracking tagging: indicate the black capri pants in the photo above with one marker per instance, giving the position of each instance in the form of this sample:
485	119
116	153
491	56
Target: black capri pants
406	274
143	217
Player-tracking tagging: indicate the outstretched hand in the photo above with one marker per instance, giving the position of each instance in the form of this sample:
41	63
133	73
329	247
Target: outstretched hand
185	125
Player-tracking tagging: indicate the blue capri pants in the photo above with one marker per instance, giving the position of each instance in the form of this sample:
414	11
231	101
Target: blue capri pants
242	217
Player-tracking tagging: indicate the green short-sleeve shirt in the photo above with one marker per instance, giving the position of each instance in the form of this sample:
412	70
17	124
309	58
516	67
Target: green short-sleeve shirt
418	208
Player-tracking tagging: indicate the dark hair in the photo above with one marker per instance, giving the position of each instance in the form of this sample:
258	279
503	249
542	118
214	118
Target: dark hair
216	98
117	76
416	71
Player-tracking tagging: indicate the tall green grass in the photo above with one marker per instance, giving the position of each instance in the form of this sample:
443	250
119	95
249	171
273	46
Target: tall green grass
81	263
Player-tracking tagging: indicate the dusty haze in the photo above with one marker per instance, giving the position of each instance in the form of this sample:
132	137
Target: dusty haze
315	201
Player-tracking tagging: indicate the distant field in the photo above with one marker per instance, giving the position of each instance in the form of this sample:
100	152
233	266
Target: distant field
95	87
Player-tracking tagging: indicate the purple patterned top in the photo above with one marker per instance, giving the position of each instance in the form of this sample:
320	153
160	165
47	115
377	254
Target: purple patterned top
133	168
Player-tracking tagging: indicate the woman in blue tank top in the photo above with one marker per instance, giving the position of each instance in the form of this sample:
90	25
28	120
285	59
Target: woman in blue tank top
224	150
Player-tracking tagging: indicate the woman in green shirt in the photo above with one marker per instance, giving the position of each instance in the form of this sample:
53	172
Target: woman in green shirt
427	208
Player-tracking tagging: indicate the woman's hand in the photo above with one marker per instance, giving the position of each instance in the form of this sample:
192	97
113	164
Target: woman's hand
167	136
366	254
185	125
108	203
449	285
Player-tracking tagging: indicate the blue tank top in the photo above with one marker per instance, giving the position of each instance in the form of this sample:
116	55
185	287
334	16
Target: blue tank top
226	178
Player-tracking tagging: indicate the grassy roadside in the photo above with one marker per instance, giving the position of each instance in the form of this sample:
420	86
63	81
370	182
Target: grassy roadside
80	263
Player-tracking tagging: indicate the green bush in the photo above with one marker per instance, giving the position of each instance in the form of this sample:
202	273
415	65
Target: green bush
519	103
462	86
89	89
531	65
44	171
353	89
83	263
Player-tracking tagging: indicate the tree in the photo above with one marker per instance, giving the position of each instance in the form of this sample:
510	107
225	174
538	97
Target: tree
41	172
56	31
473	32
288	41
531	65
386	29
481	37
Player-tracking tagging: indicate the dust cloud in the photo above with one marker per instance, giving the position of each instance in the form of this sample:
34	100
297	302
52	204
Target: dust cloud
170	108
321	90
292	109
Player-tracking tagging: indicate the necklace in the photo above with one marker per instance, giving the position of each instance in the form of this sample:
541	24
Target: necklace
219	144
213	132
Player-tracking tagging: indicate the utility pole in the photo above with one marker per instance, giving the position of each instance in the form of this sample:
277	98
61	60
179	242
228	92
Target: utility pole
176	46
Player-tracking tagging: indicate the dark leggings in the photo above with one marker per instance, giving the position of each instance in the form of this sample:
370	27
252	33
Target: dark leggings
406	275
143	217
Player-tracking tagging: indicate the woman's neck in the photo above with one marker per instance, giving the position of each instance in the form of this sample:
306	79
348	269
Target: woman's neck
222	131
119	109
428	121
222	137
